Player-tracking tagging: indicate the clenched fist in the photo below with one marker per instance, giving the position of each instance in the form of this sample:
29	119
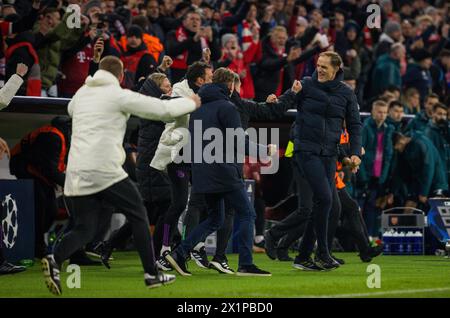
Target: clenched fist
166	63
197	100
296	86
272	98
21	69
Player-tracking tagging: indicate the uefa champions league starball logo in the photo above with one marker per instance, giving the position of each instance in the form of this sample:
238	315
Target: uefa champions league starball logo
10	226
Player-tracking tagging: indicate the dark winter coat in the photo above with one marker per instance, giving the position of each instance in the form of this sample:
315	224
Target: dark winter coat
321	111
153	184
217	112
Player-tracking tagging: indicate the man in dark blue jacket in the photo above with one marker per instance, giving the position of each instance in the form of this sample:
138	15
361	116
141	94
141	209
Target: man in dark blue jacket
220	179
323	104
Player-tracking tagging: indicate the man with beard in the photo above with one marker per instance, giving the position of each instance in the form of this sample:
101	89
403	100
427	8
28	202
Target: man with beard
438	132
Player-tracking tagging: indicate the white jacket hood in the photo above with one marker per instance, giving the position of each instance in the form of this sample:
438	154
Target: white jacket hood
102	78
182	89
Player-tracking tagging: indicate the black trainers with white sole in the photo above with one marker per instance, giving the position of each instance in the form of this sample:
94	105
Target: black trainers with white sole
200	258
306	265
252	270
325	262
178	263
158	280
8	268
221	265
51	275
163	264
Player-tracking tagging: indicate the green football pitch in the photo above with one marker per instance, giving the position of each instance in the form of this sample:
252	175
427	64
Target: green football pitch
400	276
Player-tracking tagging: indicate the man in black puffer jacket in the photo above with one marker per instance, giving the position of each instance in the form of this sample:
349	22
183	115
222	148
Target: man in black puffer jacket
323	104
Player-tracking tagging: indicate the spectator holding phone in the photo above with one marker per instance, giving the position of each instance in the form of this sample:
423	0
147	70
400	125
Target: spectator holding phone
185	44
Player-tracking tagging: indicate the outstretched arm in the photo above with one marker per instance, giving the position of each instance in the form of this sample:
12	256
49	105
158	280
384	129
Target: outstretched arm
11	87
155	109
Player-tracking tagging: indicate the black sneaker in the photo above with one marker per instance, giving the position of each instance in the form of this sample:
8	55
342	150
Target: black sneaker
283	255
306	265
325	262
221	265
340	261
159	280
200	258
374	251
178	263
252	270
8	268
51	274
260	244
105	250
270	245
163	264
80	258
96	250
370	253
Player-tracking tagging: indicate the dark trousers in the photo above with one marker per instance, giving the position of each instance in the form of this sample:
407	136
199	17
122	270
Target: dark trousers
224	233
319	173
371	213
179	187
88	212
260	221
46	210
155	213
237	200
353	221
197	212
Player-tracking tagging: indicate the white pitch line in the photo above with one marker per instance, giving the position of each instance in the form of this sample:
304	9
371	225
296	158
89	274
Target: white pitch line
355	295
382	293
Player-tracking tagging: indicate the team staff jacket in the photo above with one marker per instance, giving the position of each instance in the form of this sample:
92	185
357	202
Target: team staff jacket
321	110
217	112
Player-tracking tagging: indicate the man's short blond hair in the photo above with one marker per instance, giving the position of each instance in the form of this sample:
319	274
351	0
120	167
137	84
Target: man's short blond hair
158	78
335	58
111	64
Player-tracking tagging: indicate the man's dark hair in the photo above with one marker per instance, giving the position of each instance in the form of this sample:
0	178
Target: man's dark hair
395	103
392	89
183	5
444	53
50	10
196	70
396	136
432	95
441	106
223	75
141	22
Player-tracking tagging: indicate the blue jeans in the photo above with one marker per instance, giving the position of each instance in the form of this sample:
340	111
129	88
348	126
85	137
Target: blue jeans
237	200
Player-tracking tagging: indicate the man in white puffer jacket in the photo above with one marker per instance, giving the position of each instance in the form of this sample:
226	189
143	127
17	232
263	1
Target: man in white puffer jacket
100	111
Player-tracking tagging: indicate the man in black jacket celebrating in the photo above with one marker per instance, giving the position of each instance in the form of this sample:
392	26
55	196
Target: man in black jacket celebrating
220	180
323	104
